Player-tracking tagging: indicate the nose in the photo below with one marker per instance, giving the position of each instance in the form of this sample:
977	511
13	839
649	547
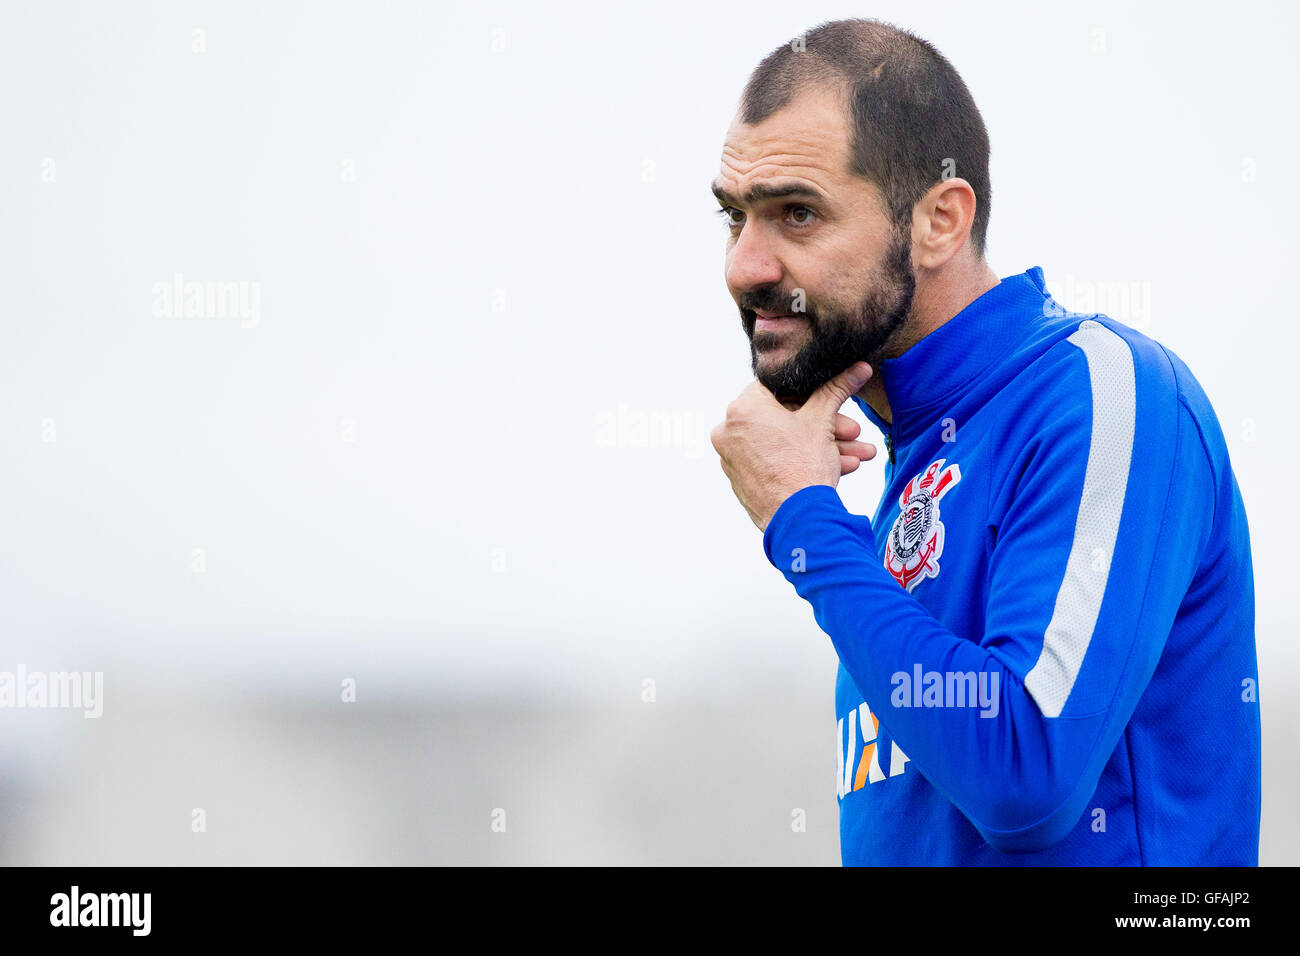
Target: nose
751	261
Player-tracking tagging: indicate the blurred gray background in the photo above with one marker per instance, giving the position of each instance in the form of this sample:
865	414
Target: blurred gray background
452	452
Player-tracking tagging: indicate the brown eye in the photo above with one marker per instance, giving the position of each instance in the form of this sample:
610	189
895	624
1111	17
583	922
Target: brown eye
802	215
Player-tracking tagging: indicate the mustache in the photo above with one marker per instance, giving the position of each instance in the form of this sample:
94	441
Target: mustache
773	302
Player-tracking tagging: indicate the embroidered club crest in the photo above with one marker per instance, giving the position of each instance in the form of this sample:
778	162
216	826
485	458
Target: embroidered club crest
916	540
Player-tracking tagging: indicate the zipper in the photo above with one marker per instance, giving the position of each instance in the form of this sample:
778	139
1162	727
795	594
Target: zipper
889	442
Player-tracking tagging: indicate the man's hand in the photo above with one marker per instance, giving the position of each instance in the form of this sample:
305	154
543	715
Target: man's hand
770	451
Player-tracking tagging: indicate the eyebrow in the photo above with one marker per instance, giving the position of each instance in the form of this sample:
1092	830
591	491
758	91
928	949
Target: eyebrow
761	191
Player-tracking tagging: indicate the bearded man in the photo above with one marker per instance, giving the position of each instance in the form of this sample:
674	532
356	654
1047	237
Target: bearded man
1046	630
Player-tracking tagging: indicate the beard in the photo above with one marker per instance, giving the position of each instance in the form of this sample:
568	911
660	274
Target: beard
836	338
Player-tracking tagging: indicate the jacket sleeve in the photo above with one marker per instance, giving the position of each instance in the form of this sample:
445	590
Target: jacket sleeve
1106	500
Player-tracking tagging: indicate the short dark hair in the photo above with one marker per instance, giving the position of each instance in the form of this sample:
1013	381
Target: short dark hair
910	110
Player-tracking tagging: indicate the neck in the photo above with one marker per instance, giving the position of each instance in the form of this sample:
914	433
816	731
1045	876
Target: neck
939	296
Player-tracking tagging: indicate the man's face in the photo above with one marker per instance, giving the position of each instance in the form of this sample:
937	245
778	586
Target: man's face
820	274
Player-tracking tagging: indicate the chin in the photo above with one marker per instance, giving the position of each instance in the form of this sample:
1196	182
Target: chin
767	367
773	362
776	380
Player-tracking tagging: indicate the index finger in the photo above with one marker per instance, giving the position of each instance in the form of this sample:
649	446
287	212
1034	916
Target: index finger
828	399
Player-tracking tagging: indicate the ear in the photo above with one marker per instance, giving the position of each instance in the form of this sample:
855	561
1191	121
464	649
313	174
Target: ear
941	222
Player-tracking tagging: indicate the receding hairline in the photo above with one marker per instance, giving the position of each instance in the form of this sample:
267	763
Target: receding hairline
905	107
786	73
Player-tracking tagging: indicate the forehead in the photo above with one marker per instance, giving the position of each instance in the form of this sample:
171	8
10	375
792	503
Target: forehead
807	139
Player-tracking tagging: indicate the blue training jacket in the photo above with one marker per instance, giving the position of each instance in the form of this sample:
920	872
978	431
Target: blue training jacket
1046	632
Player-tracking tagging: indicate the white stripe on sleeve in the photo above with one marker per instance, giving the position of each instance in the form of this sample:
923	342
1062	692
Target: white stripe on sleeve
1078	602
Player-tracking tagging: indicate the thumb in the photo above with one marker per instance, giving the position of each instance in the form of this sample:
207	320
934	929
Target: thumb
828	399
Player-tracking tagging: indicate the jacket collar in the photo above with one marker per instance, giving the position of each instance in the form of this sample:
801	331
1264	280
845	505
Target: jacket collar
948	360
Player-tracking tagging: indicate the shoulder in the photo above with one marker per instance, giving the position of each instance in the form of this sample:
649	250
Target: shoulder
1163	386
1098	382
1098	365
1124	387
1095	353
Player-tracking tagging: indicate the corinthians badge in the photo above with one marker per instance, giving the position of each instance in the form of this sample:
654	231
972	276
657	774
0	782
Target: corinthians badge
916	540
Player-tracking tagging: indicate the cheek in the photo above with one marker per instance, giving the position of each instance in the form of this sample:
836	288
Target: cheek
849	282
830	273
